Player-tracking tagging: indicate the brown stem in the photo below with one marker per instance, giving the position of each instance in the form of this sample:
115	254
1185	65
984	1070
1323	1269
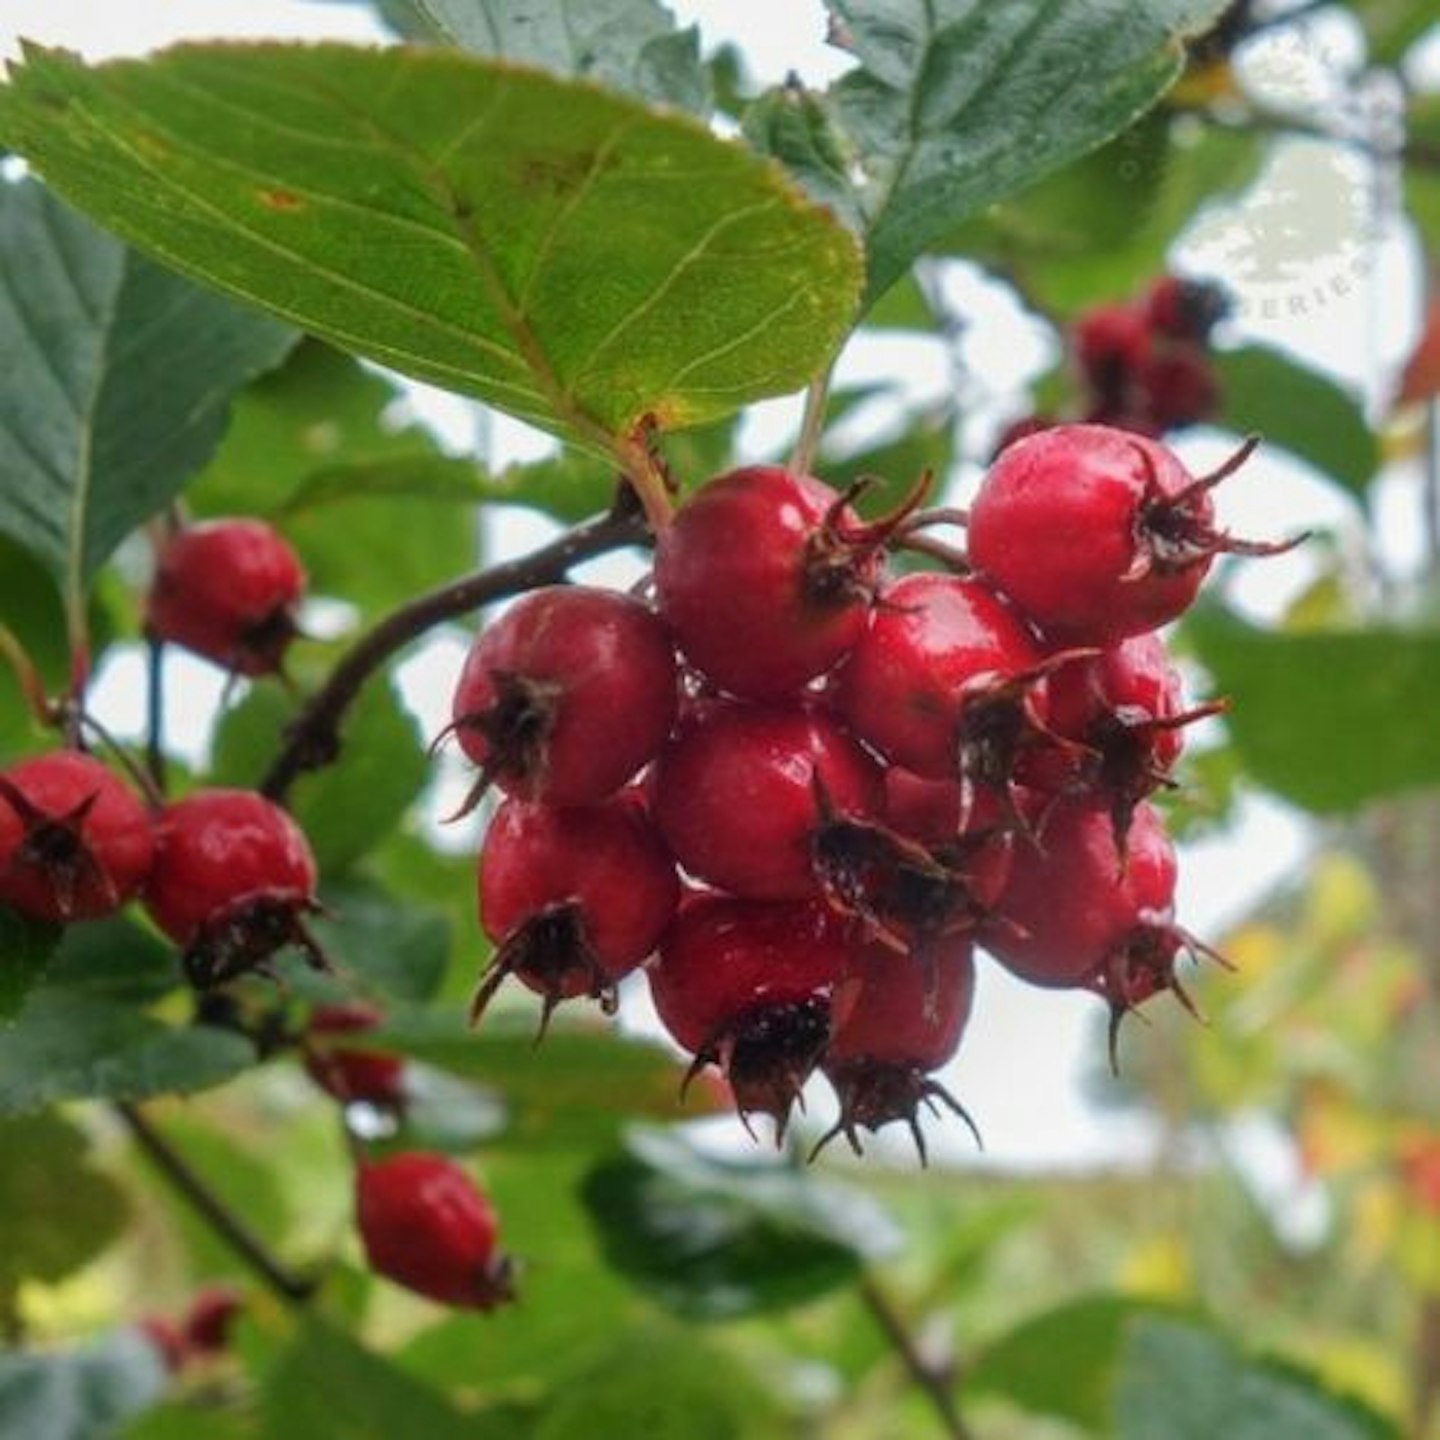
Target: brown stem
293	1289
931	1380
313	740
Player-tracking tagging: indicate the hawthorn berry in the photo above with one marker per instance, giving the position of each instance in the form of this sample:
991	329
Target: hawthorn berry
1073	916
744	791
211	1318
227	590
896	1021
1112	344
1124	709
428	1226
746	986
565	696
232	882
766	576
349	1071
573	897
1097	534
75	842
1185	310
1178	386
948	681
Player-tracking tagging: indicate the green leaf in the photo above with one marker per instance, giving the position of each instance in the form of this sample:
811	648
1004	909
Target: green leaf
316	448
114	380
1063	1362
1329	720
579	1084
629	45
559	251
58	1212
958	103
327	1385
79	1394
397	946
185	1422
25	950
1182	1382
1392	26
711	1239
84	1034
1265	393
664	1385
792	124
345	809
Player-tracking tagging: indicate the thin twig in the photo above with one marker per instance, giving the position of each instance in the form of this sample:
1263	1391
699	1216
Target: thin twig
155	712
291	1288
933	1382
812	423
313	740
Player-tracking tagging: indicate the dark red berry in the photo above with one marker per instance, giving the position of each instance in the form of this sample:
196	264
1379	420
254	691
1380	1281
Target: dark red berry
75	842
765	576
1178	386
896	1021
1111	344
426	1225
211	1319
566	695
1098	534
947	681
349	1071
1186	310
573	897
168	1341
1124	709
1075	917
227	590
232	881
747	986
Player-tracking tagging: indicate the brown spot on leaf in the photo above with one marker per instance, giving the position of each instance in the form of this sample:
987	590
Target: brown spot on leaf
284	201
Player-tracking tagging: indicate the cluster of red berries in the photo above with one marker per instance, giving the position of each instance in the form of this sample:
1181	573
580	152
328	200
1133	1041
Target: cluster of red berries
1144	365
799	790
202	1333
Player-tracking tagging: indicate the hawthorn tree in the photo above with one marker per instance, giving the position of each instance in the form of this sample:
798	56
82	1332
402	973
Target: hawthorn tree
275	1165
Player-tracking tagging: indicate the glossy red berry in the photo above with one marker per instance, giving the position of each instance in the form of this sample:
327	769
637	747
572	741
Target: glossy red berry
232	880
743	791
896	1021
573	897
1098	534
947	681
347	1070
747	986
766	576
428	1226
566	695
75	842
227	590
1072	916
1125	710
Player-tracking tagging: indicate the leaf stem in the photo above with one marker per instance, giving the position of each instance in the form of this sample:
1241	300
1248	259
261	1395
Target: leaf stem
930	1379
292	1289
155	713
812	423
313	740
27	676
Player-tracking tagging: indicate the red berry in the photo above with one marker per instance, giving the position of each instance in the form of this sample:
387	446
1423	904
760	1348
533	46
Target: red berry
1124	709
896	1020
1186	310
1072	916
742	792
75	842
1178	386
232	879
1097	534
352	1072
747	986
227	590
947	681
566	695
168	1341
574	898
427	1226
211	1318
1111	345
766	576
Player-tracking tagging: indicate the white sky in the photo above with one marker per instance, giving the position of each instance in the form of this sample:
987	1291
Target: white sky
1035	1114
